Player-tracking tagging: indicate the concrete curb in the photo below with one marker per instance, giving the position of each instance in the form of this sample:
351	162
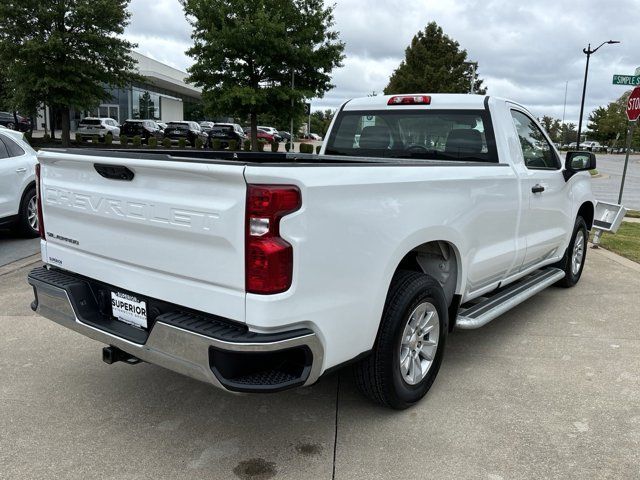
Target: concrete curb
18	264
617	258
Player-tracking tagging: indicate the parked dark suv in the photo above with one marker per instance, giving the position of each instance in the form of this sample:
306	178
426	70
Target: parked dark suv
145	128
190	131
7	120
225	132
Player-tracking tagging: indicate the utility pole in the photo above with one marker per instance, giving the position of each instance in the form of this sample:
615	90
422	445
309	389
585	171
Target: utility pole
588	52
564	109
292	107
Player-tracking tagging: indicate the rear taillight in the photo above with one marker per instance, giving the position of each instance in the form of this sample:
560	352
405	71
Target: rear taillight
39	203
268	257
410	100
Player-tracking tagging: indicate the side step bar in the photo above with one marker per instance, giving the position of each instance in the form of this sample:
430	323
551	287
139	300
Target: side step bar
481	313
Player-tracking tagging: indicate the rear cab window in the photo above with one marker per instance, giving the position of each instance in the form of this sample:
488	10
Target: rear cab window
464	135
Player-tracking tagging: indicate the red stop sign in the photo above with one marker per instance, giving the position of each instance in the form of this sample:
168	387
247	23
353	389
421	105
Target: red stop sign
633	106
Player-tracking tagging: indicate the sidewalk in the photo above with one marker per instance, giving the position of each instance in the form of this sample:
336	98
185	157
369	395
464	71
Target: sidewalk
548	390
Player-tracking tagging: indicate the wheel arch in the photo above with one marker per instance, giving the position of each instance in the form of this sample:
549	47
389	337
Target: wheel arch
439	259
587	211
30	185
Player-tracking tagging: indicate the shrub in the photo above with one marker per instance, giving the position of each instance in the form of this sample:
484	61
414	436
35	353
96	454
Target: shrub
95	139
318	149
78	138
137	141
247	145
199	143
261	144
233	145
306	148
182	143
166	143
153	142
46	138
216	144
275	146
108	139
287	146
124	140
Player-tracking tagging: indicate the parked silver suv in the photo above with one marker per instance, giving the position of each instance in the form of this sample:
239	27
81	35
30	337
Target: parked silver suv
99	126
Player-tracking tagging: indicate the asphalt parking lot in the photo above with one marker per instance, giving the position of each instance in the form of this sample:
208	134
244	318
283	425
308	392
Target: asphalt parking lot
549	390
607	186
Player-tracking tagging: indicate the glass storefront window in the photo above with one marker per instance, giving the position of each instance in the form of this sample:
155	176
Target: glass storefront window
145	105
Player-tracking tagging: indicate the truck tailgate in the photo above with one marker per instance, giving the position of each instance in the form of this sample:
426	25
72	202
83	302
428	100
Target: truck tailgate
174	232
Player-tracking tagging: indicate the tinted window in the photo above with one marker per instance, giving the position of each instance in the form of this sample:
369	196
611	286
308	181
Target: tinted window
4	153
536	150
222	129
429	134
91	121
178	126
12	148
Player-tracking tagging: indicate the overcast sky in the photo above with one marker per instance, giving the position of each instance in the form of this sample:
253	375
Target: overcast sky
525	52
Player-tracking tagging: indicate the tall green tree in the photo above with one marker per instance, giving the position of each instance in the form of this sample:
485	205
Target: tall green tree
246	52
320	121
553	126
568	133
434	63
64	52
608	124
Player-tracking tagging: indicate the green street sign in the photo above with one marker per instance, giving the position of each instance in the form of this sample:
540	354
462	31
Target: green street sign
630	80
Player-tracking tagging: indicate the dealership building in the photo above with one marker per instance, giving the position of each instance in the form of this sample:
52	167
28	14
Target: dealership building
164	95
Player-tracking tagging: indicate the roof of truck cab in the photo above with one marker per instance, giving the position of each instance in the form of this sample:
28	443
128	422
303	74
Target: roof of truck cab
451	101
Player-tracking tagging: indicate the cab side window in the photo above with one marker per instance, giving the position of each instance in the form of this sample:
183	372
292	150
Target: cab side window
536	149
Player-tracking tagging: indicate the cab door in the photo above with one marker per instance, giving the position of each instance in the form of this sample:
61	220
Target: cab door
13	172
546	222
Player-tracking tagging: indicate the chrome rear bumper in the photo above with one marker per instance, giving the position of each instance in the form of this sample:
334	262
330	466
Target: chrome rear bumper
178	349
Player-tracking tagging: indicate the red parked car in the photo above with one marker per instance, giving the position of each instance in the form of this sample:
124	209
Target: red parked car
261	135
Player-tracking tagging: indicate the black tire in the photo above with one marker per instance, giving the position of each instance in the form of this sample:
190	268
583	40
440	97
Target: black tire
571	277
378	376
24	226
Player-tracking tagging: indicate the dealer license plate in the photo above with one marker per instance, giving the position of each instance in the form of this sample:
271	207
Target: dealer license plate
129	309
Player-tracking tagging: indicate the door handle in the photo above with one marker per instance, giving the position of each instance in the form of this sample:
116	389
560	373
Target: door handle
21	170
537	188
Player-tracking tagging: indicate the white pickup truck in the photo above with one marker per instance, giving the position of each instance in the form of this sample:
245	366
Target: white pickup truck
258	272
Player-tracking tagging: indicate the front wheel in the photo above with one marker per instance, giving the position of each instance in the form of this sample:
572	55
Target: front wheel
408	351
572	262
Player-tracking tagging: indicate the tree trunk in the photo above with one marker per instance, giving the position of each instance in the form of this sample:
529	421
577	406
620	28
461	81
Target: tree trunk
254	131
52	121
65	127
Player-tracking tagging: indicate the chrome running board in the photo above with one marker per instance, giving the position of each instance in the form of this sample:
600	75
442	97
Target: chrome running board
478	314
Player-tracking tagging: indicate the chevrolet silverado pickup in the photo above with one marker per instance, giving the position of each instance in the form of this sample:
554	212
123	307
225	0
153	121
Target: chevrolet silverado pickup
258	272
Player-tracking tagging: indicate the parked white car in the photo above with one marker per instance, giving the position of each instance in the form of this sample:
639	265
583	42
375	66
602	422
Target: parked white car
99	126
18	204
271	131
258	272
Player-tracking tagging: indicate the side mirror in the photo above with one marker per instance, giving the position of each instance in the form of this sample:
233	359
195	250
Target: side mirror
578	162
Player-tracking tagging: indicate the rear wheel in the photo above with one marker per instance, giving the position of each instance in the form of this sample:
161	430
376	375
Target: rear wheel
408	351
28	216
572	262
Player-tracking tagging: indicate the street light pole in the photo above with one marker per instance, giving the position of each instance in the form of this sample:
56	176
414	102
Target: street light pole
588	52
